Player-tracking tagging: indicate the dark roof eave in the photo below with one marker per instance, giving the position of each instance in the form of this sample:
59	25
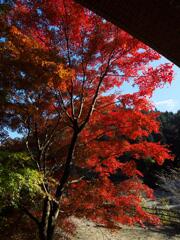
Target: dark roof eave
156	23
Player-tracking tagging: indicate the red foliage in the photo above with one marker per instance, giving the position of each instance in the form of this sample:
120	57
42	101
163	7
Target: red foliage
96	58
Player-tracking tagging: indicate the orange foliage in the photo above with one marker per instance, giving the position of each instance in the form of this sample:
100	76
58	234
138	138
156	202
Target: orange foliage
66	64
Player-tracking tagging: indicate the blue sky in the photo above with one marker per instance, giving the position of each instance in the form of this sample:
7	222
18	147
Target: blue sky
168	97
165	99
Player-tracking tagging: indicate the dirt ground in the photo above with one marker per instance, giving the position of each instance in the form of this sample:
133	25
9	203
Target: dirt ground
88	231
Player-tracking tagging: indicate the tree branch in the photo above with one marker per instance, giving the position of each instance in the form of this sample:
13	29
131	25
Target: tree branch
97	92
30	215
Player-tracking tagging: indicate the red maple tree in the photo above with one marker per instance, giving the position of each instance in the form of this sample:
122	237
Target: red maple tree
67	69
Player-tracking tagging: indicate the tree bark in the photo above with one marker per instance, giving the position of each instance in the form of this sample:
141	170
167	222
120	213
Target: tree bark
51	207
49	219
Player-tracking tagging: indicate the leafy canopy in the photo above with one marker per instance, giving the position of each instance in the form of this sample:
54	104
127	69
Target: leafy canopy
66	63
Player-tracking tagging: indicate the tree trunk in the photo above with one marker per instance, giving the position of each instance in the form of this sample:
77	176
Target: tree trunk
54	213
67	168
49	219
51	208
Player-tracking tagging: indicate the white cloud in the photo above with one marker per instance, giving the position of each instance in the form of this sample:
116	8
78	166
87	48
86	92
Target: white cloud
167	104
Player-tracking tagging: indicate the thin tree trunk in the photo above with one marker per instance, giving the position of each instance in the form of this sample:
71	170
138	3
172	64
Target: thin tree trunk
44	221
51	208
52	220
48	223
67	168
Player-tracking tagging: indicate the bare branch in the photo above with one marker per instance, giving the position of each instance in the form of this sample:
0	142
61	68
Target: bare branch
66	35
59	97
82	92
76	180
97	92
30	215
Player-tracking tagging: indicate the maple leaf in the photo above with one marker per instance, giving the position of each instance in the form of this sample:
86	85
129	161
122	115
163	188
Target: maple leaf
65	62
